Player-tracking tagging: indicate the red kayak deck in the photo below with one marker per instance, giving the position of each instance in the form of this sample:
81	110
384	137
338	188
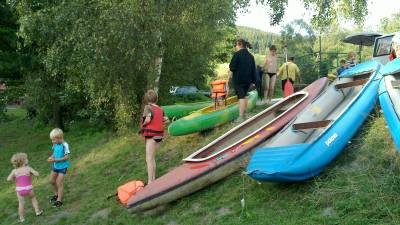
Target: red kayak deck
219	158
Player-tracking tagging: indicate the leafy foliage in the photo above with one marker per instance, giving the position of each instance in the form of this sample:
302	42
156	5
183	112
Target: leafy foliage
10	59
300	39
95	59
303	44
324	12
194	44
391	24
260	40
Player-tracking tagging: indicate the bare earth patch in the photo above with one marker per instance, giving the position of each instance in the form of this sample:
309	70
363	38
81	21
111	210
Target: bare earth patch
102	214
196	207
329	212
223	211
172	223
55	217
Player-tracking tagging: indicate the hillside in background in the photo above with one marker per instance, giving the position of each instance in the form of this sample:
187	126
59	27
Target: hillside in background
260	40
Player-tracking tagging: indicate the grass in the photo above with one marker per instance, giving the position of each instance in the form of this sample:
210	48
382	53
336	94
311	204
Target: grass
360	187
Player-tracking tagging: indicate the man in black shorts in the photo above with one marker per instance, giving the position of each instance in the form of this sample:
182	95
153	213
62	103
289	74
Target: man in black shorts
243	68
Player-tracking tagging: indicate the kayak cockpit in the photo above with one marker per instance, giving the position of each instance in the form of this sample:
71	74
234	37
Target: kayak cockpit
248	129
325	110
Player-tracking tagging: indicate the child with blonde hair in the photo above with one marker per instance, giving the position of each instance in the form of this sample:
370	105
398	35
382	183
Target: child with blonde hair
60	160
152	129
23	180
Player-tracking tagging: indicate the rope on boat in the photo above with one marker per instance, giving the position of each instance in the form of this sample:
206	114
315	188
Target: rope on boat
242	200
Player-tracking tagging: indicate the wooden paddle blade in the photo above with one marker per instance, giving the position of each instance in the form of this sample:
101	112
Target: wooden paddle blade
311	125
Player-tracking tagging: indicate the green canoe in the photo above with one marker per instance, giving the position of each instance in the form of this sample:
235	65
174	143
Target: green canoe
183	109
208	117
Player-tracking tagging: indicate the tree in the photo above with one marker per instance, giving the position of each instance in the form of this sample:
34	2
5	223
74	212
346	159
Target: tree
325	12
95	59
391	24
260	40
10	59
300	39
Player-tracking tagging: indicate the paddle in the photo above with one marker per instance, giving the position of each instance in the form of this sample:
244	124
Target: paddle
288	88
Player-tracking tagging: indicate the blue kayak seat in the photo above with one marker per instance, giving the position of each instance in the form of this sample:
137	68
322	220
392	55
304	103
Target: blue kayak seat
312	125
351	84
396	84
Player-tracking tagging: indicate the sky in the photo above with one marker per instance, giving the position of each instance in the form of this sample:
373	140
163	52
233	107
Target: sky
257	16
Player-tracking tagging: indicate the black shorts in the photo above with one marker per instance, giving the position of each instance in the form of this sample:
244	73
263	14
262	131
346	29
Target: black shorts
63	171
271	74
241	90
156	139
283	83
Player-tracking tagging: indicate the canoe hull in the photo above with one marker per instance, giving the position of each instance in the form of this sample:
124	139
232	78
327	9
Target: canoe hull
197	183
194	175
389	99
200	120
180	110
304	160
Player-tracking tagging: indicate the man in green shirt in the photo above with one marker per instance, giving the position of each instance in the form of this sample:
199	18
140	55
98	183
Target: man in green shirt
289	72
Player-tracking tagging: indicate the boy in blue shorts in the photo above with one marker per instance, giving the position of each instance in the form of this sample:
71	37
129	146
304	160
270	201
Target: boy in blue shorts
60	160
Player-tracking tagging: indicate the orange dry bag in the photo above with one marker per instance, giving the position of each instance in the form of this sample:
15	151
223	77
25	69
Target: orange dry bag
128	190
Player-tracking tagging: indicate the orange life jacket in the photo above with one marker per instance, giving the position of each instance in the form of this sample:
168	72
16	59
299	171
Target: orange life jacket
156	126
219	88
128	190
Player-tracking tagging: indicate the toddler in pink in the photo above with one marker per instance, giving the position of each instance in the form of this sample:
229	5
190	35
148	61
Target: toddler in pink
23	180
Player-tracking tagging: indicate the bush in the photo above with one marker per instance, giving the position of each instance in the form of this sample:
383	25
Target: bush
2	107
14	94
196	97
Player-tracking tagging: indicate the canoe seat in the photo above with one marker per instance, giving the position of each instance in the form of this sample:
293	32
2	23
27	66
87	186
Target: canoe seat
351	84
396	84
311	125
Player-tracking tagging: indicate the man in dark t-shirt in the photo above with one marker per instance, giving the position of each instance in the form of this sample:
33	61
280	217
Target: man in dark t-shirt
243	68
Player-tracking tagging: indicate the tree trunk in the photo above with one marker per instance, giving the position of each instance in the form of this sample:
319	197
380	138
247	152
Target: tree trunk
57	116
158	63
155	80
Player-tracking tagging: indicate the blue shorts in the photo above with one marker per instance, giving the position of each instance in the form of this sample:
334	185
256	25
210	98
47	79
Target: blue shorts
63	171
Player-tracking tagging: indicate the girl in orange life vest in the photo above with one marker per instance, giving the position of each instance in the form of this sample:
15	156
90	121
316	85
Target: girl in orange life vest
152	130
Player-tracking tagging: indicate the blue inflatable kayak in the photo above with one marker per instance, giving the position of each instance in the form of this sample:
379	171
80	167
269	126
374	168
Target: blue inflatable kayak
321	131
389	98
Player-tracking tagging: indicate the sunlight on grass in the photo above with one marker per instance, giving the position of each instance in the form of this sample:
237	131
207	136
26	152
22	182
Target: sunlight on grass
100	154
360	187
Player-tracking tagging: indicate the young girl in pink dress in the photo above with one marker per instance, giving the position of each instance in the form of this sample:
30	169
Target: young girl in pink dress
22	176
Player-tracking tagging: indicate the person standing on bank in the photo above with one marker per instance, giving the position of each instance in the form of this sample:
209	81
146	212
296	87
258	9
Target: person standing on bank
271	68
288	73
243	68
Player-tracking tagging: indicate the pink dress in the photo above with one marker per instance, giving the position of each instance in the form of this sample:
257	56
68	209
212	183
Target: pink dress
23	185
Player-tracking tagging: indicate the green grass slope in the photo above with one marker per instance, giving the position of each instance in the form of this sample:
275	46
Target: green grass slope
360	187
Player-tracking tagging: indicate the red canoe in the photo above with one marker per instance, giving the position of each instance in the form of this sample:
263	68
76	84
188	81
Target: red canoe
224	155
